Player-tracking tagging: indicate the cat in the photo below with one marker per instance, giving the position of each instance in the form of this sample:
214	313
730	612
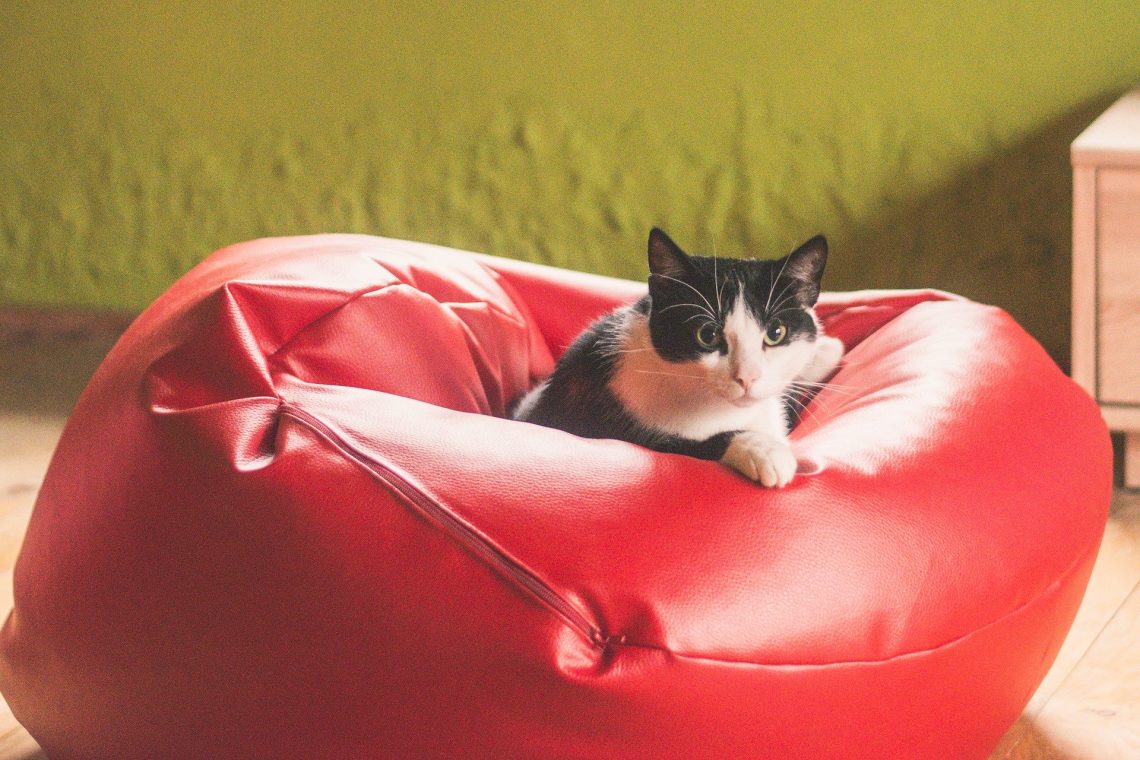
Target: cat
710	363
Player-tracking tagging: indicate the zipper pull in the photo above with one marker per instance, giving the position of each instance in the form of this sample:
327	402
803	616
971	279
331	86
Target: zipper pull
604	642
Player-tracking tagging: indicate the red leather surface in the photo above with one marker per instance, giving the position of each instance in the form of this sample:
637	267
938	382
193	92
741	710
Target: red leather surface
288	519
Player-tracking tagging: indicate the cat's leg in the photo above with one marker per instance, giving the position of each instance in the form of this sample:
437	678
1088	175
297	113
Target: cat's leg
763	457
762	452
828	352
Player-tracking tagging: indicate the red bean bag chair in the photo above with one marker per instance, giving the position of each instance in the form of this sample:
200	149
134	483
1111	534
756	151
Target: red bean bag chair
289	519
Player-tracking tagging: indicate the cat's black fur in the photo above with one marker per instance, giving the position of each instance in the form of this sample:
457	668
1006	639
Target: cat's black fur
578	398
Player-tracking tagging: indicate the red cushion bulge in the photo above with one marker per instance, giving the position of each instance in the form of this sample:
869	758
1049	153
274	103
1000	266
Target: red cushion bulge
289	518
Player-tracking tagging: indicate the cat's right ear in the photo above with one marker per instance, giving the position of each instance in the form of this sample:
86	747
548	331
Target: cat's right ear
666	258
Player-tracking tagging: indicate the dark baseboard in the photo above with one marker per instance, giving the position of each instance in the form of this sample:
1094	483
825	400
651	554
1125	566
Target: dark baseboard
33	322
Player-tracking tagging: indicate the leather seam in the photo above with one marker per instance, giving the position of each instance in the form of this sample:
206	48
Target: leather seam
1051	589
309	325
613	643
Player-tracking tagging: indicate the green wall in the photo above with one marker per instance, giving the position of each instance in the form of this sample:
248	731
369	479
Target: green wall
929	140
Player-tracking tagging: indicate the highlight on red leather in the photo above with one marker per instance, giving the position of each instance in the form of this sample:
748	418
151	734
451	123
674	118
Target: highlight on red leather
289	518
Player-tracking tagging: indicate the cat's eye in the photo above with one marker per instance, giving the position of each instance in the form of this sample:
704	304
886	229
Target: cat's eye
775	333
708	336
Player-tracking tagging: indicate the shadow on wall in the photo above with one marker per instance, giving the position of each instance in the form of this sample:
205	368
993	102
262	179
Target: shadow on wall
1000	232
107	202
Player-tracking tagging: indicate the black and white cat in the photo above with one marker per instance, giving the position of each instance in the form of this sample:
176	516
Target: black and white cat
708	364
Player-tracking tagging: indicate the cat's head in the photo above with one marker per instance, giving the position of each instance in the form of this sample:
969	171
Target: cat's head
747	326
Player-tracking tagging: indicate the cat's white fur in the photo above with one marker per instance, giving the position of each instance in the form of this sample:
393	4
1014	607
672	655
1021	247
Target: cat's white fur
740	390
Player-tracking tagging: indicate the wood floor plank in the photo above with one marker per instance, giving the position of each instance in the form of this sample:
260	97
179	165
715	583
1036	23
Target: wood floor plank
1104	645
15	742
27	441
26	445
1116	572
14	515
1095	713
1025	742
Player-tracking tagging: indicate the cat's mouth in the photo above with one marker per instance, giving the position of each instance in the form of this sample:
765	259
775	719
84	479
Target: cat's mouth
741	399
744	399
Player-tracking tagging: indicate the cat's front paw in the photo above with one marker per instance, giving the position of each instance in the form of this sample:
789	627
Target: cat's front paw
761	457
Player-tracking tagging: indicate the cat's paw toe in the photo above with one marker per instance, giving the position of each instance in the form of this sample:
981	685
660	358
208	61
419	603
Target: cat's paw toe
765	459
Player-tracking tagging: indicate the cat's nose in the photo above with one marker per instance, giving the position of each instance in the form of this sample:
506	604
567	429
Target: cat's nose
746	380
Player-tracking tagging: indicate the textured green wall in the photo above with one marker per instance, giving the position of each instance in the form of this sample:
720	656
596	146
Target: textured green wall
929	140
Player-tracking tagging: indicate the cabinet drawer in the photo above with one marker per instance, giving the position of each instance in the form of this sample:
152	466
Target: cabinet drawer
1118	318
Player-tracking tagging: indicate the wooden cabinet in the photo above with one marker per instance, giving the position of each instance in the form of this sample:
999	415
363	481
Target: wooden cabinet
1106	270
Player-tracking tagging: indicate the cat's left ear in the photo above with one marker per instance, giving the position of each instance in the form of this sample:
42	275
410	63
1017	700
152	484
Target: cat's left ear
666	258
805	265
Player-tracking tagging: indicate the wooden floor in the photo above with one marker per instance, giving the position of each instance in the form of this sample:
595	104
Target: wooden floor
1088	708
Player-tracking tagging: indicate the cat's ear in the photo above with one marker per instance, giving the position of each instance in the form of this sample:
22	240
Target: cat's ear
805	266
666	257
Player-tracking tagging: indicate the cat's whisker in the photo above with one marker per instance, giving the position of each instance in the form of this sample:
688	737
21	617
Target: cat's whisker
809	410
843	390
776	314
851	366
776	279
788	303
799	406
670	374
690	287
702	311
815	387
686	304
719	308
812	393
720	289
780	300
806	410
717	283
